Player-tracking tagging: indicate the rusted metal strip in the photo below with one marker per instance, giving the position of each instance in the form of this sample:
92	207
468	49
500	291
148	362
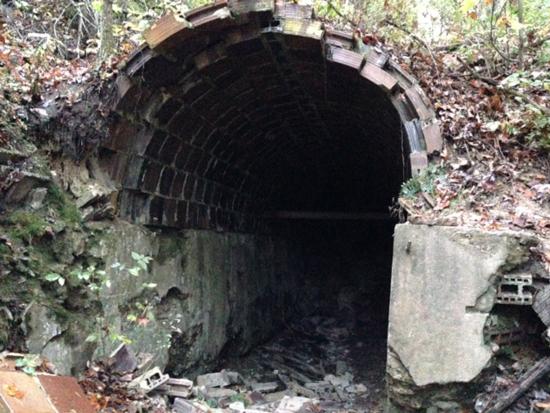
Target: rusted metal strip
329	215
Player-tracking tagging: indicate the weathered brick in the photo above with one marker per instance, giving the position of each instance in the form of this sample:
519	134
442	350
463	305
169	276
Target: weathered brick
239	45
194	159
170	209
432	136
203	221
379	77
189	188
156	210
166	180
168	109
199	191
238	105
210	57
181	215
151	176
133	172
120	135
177	185
183	156
169	150
194	90
155	144
192	215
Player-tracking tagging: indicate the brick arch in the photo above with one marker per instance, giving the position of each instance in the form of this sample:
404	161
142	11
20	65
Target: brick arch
242	106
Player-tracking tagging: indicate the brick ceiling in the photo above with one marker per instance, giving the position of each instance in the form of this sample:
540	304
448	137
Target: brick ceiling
244	107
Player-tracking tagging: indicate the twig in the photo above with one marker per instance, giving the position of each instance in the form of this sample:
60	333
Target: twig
475	74
416	38
340	14
491	32
509	91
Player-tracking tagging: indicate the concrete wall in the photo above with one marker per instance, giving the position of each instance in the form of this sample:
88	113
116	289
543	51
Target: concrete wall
214	292
443	288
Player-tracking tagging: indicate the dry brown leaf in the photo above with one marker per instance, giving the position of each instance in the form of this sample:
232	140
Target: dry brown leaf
12	391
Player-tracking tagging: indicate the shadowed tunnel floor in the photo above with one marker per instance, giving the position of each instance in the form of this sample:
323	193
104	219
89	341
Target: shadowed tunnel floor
339	328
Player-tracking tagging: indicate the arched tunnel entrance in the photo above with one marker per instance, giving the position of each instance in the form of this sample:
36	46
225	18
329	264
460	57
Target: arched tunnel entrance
253	118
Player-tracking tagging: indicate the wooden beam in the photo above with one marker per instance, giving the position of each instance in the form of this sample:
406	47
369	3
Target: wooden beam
530	377
329	215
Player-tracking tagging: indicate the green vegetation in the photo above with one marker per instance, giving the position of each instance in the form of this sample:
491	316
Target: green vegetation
28	364
425	182
26	225
58	200
96	280
539	135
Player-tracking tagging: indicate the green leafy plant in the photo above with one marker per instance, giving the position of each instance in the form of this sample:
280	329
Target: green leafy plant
97	279
55	277
426	182
28	364
539	134
68	211
27	225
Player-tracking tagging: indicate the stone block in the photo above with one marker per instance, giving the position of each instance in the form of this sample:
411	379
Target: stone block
379	77
183	406
432	137
268	387
415	98
294	405
442	291
345	57
339	39
220	379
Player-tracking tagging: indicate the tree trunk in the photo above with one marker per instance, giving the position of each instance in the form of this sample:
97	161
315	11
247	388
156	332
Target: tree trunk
107	40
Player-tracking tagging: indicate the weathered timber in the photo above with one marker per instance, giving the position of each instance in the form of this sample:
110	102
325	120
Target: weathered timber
541	305
530	377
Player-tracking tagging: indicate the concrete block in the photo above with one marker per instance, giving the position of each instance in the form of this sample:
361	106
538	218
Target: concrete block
220	379
443	287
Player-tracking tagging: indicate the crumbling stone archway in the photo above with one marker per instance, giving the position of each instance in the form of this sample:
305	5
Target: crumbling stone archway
240	107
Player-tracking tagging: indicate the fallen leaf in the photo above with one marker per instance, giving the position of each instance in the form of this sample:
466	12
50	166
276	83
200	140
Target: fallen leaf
12	391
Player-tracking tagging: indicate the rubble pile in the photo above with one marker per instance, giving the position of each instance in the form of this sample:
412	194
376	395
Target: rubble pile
338	361
310	367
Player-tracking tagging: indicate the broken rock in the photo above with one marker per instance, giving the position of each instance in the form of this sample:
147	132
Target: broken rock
37	197
220	379
182	406
294	405
177	388
339	381
237	407
268	387
123	360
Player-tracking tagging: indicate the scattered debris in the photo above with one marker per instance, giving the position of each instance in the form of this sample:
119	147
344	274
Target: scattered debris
525	382
123	360
150	380
515	289
220	379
